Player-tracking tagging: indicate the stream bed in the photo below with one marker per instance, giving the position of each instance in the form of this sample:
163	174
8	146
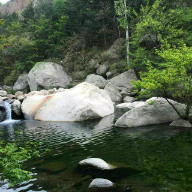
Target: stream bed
160	155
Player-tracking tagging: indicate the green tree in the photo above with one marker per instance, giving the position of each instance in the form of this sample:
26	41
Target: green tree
173	78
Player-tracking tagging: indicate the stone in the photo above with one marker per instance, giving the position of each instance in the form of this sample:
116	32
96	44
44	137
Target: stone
2	111
128	106
61	90
20	97
123	82
110	74
129	99
19	93
96	80
93	64
16	108
22	83
10	96
84	101
101	183
181	123
3	93
114	52
7	88
113	92
47	75
156	111
80	75
102	69
95	163
52	91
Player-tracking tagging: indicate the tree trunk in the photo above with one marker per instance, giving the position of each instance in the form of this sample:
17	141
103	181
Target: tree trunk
127	32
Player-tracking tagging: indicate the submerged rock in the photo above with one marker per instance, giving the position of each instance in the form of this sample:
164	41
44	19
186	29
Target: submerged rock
47	75
181	123
156	110
95	163
83	102
101	183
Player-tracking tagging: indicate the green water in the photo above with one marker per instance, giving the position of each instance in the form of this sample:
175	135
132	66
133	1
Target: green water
160	156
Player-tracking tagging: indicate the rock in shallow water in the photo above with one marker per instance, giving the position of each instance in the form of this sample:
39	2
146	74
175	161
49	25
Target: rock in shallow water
156	111
101	183
181	123
83	102
96	163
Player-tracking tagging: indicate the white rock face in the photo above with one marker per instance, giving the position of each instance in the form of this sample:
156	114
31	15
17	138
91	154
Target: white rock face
47	75
21	83
16	107
123	82
101	183
95	162
181	123
113	92
83	102
96	80
156	111
3	93
129	106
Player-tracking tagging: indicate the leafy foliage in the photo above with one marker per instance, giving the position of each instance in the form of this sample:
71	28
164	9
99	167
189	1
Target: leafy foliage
172	79
12	158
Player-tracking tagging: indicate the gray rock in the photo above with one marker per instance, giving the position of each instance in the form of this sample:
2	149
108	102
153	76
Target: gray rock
101	183
110	74
47	75
96	163
2	111
80	75
93	65
129	99
102	69
114	52
3	93
19	93
96	80
180	123
7	88
22	83
20	98
16	108
113	92
129	106
123	82
156	111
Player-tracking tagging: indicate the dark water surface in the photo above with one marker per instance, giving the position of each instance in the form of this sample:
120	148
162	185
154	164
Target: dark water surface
161	156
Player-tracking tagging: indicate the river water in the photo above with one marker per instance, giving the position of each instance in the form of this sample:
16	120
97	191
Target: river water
154	158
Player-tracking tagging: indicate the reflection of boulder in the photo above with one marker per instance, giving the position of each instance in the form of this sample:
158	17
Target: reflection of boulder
81	132
83	102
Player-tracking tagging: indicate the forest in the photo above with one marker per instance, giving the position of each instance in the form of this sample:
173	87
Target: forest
49	29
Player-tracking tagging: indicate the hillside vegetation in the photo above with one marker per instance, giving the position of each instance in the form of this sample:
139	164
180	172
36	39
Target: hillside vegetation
71	32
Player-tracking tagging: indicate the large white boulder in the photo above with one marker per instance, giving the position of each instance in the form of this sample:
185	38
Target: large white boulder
113	92
85	101
156	111
47	75
96	80
123	82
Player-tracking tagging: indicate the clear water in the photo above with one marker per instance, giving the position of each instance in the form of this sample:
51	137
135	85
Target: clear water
160	156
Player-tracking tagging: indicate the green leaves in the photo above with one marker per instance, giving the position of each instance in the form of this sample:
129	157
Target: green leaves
173	80
12	158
